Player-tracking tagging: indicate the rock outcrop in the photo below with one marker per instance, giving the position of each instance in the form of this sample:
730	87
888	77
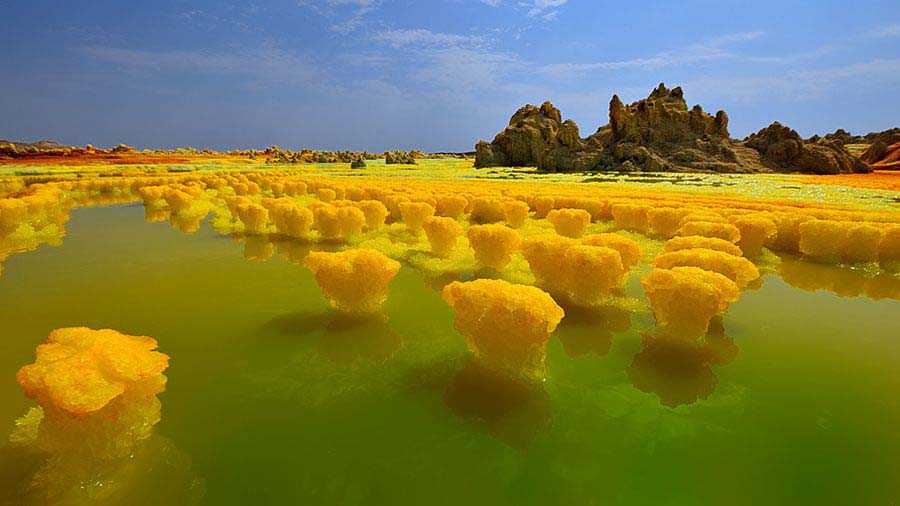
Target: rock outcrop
658	133
783	150
398	158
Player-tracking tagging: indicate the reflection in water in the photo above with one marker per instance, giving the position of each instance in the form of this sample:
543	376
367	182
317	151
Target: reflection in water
842	281
590	330
91	437
678	369
515	411
256	247
350	337
30	218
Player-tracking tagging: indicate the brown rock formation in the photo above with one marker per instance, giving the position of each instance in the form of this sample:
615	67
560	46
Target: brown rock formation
658	133
783	150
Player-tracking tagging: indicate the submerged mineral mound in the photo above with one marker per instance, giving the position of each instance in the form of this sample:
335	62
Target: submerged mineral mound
658	133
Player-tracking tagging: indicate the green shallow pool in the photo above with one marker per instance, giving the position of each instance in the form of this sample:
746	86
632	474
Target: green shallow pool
274	399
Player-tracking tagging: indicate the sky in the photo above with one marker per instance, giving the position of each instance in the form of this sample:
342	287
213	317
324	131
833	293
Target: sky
436	75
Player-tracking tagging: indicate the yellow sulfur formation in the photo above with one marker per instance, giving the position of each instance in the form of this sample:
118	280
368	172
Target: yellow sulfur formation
724	231
493	245
580	274
628	250
755	231
375	212
665	221
487	210
451	206
631	217
291	219
684	299
506	326
442	233
738	269
569	222
339	223
515	212
355	281
840	241
80	371
696	241
326	194
254	217
593	272
414	213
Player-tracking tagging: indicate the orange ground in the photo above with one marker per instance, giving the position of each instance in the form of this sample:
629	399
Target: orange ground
128	159
880	179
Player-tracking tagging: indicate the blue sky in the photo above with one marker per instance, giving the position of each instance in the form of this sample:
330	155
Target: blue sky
436	75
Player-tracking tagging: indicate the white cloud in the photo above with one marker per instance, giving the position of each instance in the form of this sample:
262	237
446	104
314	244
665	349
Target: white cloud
421	37
351	13
544	8
711	50
886	31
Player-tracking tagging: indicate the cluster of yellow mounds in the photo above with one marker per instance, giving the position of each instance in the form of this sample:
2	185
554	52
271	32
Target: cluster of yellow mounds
443	233
355	281
339	222
373	210
493	245
849	242
684	299
506	326
696	241
736	268
584	272
289	218
31	217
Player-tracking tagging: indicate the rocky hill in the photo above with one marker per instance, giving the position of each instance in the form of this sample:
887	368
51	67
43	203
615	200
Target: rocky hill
655	134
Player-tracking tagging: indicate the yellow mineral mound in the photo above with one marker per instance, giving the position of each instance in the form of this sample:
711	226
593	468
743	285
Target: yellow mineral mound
442	233
506	326
628	249
339	223
487	210
569	222
724	231
376	213
593	272
697	241
254	217
451	206
355	281
415	213
291	220
515	212
738	269
840	241
79	370
632	217
755	231
665	221
493	245
684	299
583	275
326	194
544	254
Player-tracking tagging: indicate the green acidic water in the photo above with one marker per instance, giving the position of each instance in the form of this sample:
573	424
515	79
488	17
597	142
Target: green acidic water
274	399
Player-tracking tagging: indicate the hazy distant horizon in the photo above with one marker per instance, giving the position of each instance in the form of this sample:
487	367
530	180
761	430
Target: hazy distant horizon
438	76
